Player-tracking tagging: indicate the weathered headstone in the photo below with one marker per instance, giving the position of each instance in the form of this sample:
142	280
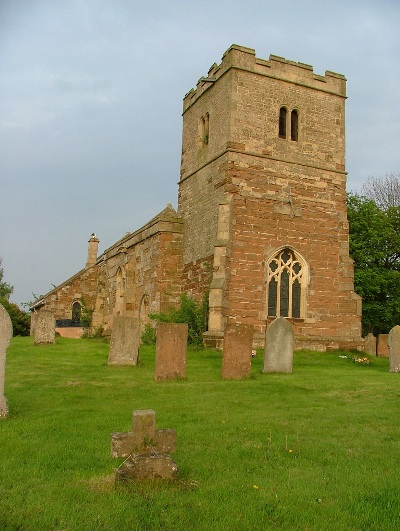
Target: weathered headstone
394	349
45	327
145	449
125	341
279	346
382	348
237	352
171	348
370	344
6	332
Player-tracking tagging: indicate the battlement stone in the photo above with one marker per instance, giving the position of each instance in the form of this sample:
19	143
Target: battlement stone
276	67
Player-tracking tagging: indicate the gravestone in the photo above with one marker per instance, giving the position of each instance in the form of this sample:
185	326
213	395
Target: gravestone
279	346
6	332
237	352
370	344
145	449
45	327
125	341
171	348
394	349
382	348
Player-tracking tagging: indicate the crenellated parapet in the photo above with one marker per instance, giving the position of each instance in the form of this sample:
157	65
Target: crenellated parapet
276	67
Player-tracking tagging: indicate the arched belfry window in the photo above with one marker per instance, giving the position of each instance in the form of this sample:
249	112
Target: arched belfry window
289	121
294	125
282	122
286	276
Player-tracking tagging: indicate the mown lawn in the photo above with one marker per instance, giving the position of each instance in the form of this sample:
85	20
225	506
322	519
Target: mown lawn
318	449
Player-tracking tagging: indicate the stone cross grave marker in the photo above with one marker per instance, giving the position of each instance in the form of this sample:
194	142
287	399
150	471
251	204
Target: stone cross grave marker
147	450
279	346
6	332
394	349
45	327
236	353
125	341
171	349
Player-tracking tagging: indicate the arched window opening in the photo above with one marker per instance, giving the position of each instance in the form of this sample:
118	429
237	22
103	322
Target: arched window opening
120	292
76	311
204	129
284	285
282	122
294	125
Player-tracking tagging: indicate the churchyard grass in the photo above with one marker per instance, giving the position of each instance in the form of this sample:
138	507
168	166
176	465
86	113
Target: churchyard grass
316	449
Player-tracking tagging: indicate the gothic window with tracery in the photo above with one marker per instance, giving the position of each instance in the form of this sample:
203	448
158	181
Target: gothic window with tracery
284	285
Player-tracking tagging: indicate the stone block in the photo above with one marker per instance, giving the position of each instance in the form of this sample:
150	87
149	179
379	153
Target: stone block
370	344
383	347
394	349
6	332
144	428
45	328
165	441
125	341
171	348
122	444
236	353
153	466
279	346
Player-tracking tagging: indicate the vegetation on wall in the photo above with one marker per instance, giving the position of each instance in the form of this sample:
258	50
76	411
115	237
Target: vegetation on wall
190	311
375	249
86	314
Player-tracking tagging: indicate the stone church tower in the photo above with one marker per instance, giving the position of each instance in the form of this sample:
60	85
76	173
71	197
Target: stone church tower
262	195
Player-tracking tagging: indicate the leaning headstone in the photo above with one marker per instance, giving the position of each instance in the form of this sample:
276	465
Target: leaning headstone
370	344
125	341
171	348
45	327
237	352
394	349
279	346
145	449
6	332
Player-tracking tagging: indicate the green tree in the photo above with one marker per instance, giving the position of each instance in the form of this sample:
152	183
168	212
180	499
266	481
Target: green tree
194	313
5	289
20	319
375	249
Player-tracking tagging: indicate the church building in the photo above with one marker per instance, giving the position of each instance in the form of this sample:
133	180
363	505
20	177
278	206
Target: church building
261	224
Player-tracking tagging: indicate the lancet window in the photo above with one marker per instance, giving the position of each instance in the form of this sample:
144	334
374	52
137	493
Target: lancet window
288	121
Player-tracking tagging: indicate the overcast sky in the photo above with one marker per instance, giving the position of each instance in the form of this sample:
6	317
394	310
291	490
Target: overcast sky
91	99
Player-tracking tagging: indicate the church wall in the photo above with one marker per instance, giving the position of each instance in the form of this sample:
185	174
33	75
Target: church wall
59	301
308	225
142	273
